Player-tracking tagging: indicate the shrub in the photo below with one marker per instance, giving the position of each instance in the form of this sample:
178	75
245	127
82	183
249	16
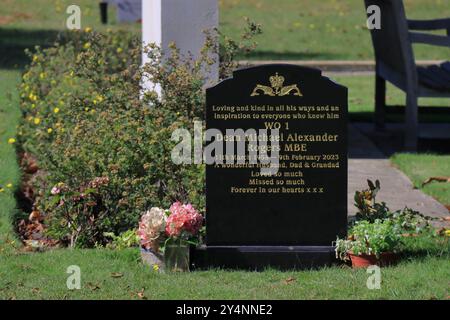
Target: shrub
102	151
408	220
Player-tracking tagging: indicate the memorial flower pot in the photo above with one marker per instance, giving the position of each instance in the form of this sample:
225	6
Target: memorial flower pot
366	260
153	259
176	258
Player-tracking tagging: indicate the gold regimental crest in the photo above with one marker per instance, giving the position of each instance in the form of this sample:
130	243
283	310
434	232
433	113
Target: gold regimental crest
276	88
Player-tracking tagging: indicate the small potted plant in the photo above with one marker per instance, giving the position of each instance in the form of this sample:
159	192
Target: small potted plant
182	229
375	243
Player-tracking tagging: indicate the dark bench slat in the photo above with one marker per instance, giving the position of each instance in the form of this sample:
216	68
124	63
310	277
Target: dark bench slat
441	72
446	66
434	79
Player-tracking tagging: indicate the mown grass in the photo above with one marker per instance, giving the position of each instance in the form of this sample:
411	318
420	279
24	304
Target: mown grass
322	30
293	29
109	274
419	167
361	90
51	15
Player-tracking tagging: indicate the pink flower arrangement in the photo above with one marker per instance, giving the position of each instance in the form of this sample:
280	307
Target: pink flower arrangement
151	228
183	217
180	222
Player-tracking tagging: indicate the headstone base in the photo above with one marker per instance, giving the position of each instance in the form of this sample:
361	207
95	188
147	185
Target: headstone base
262	257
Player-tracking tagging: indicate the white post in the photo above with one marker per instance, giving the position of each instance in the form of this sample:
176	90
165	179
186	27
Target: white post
182	22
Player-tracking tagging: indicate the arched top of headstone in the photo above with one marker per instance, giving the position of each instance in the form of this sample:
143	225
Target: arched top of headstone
278	80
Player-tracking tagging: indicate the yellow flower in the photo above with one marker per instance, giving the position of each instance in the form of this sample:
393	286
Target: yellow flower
32	97
119	50
35	58
447	232
42	75
87	29
156	267
86	109
11	140
56	110
9	185
2	190
37	120
87	45
49	130
92	111
33	106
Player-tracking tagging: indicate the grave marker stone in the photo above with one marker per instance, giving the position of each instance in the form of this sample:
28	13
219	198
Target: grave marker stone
289	219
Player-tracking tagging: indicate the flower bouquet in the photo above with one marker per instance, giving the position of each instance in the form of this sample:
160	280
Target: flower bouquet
150	233
170	232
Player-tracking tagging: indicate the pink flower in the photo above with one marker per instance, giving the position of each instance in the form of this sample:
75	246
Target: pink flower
58	188
183	217
151	227
55	190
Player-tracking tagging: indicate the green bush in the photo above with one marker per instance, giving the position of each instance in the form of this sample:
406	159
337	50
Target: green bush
101	149
408	220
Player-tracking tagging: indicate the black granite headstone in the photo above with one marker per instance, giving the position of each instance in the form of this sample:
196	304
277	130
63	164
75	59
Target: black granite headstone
288	219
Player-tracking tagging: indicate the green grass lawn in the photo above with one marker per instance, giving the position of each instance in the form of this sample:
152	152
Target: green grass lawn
361	101
43	276
51	15
293	29
419	167
323	30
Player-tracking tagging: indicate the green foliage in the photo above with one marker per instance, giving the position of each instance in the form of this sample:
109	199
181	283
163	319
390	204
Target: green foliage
368	208
408	220
371	238
230	48
125	240
102	149
104	153
377	229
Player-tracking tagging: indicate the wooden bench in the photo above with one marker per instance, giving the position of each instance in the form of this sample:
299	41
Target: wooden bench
395	63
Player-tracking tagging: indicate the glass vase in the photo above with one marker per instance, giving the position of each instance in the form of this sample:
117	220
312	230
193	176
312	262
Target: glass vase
176	258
